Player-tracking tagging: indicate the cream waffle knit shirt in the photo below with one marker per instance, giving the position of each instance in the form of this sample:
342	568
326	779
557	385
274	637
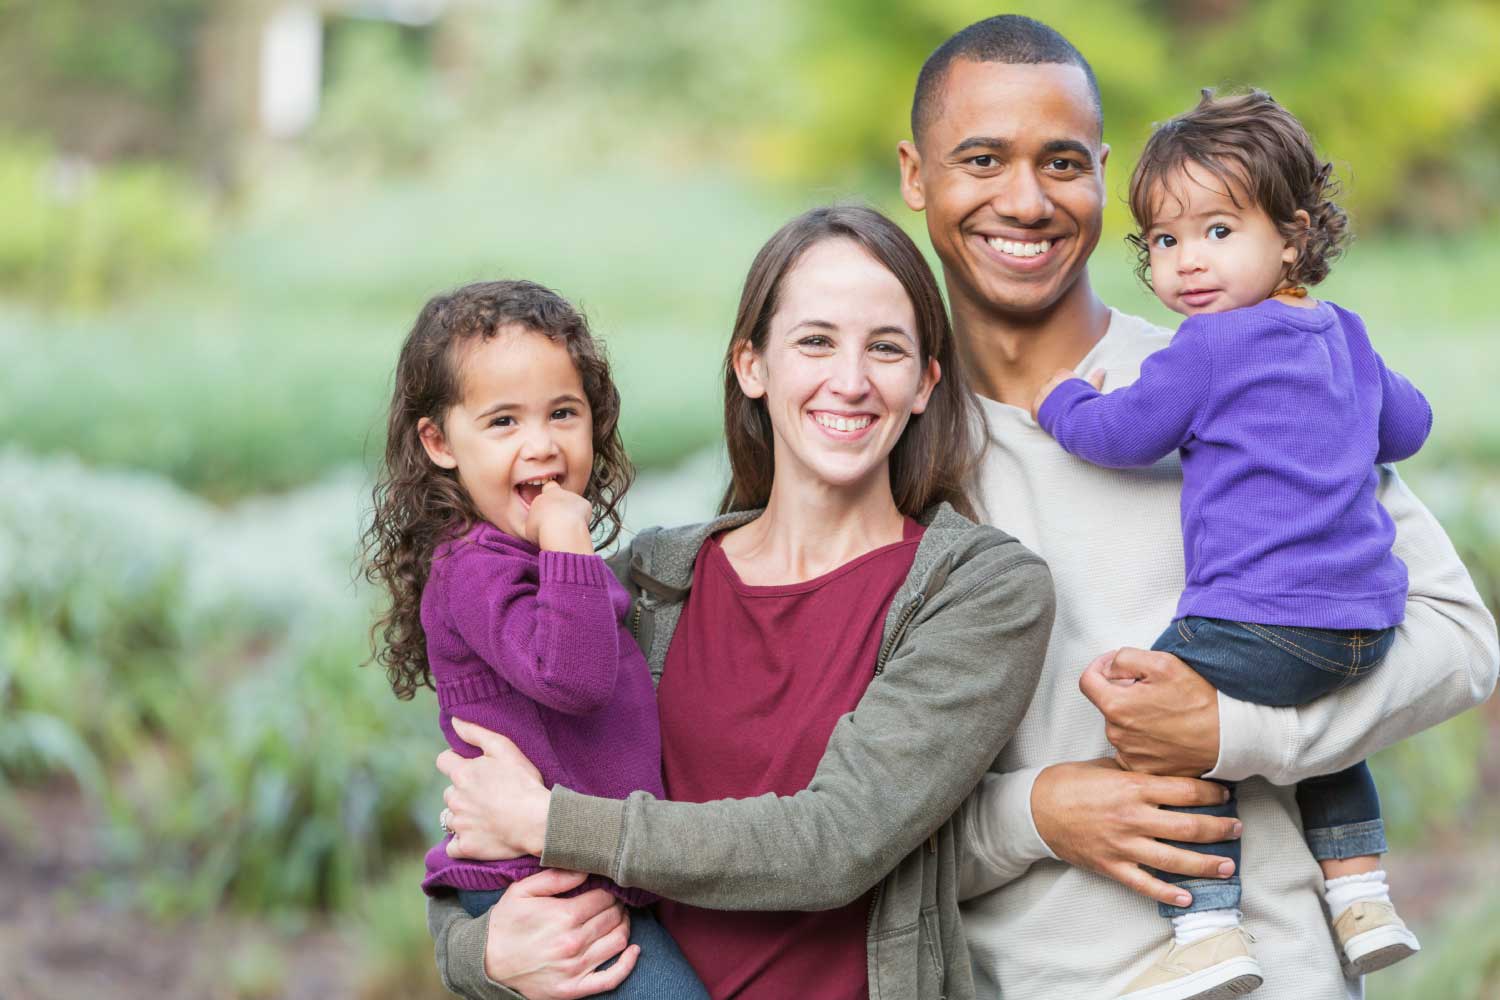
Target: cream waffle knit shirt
1042	929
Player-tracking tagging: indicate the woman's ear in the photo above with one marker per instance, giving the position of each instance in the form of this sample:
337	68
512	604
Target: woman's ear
1293	248
930	378
750	370
436	444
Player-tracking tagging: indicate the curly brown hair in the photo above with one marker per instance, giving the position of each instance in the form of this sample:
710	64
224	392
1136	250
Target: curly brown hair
1255	146
417	504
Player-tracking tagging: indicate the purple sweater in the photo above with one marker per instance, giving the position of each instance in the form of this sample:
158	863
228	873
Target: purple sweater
1280	414
533	644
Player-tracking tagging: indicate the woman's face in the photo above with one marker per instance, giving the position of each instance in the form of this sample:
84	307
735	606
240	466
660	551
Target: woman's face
841	372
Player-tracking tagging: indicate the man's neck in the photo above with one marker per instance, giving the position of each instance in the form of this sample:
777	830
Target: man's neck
1009	356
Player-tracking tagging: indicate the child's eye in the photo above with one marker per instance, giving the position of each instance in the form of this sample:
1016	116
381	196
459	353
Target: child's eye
563	413
1163	240
503	421
1218	232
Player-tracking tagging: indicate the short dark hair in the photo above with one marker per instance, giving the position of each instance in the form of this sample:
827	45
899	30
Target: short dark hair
1251	143
1007	38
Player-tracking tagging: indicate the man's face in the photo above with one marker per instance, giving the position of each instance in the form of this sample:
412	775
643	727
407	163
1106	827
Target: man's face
1010	172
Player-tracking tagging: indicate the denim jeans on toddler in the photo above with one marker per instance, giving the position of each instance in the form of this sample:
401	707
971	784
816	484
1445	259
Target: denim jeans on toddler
661	971
1282	665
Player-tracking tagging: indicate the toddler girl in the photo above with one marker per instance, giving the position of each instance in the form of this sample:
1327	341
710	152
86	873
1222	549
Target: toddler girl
1280	409
503	458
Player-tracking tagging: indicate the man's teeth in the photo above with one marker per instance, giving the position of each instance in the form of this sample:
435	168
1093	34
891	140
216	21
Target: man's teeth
1020	249
842	423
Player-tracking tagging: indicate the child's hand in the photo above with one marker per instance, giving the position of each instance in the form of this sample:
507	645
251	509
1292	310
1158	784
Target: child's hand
558	521
1095	378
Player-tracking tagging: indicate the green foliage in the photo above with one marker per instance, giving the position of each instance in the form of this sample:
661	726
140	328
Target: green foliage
196	671
1379	93
77	235
1460	959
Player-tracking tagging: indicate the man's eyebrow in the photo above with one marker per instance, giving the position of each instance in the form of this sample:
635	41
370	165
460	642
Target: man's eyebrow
981	142
1069	146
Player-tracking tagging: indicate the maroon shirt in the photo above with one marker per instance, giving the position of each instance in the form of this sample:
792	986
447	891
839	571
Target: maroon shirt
755	679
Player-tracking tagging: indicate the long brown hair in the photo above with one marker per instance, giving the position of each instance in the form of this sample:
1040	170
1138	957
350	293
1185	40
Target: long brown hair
1250	143
417	504
935	457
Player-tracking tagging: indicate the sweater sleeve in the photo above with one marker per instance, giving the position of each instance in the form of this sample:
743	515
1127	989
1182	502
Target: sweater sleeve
555	640
997	837
1137	424
1445	660
1405	417
895	769
458	946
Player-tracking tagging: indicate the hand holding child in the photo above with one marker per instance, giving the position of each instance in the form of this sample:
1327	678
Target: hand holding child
558	521
1095	378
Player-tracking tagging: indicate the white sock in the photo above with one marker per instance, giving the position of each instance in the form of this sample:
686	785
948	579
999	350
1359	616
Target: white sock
1341	893
1199	924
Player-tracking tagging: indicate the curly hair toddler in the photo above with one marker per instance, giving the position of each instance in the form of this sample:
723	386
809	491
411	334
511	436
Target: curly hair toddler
1280	410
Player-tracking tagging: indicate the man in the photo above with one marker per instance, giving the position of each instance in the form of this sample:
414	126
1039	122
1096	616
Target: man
1007	161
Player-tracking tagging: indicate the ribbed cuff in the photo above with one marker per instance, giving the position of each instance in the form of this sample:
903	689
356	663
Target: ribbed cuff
1016	801
583	833
463	958
1253	740
570	567
1066	392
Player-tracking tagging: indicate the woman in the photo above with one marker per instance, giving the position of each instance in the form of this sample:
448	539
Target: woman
839	657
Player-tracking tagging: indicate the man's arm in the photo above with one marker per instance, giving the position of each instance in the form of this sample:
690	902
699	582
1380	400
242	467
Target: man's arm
1444	660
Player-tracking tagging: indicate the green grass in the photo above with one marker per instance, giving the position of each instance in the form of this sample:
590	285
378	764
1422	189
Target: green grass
268	363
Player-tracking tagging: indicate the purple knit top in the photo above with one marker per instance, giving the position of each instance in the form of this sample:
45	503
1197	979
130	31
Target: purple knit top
1280	414
533	645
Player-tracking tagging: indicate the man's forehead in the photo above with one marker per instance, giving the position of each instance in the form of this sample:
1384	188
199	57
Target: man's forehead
1019	102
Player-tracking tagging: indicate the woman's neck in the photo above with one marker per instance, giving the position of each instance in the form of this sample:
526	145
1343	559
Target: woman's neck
812	528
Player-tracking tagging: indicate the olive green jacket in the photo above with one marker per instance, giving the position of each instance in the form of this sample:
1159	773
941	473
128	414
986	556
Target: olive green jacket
961	655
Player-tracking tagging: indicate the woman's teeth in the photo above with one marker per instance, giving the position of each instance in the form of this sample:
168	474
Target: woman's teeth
1015	249
842	423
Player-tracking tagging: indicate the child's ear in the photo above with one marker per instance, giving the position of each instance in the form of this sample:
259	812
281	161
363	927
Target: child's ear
750	370
1293	248
436	444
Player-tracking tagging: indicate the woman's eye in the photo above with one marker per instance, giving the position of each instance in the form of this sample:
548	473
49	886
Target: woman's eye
1218	232
1162	241
815	341
889	349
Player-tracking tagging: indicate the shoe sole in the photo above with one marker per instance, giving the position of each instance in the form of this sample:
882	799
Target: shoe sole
1224	981
1375	949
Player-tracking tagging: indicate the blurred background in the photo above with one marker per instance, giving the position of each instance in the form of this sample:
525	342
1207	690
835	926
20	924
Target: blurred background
218	219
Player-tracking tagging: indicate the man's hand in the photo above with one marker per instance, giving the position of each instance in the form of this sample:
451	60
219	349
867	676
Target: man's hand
1159	714
558	521
547	948
1094	815
497	800
1095	378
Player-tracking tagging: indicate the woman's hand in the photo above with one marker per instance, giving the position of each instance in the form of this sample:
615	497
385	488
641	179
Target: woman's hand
1159	714
497	801
1096	816
548	948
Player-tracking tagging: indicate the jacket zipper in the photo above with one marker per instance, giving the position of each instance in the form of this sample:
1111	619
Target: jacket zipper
889	645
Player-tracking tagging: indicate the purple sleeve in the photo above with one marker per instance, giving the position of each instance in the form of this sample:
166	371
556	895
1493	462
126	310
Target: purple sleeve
1405	417
555	641
1136	424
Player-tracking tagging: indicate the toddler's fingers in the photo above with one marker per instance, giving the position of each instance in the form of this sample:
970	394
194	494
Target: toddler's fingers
1096	378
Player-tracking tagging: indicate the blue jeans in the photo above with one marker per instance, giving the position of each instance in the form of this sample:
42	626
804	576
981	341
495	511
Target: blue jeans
661	971
1282	665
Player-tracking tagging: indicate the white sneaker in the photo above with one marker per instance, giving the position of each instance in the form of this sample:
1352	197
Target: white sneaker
1217	967
1371	936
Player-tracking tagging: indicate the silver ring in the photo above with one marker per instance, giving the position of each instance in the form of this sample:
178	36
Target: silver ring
444	820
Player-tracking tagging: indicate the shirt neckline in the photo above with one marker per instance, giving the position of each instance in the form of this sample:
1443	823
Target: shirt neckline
911	535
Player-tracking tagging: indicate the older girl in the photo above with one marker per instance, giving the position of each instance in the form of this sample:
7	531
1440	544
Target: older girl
840	656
